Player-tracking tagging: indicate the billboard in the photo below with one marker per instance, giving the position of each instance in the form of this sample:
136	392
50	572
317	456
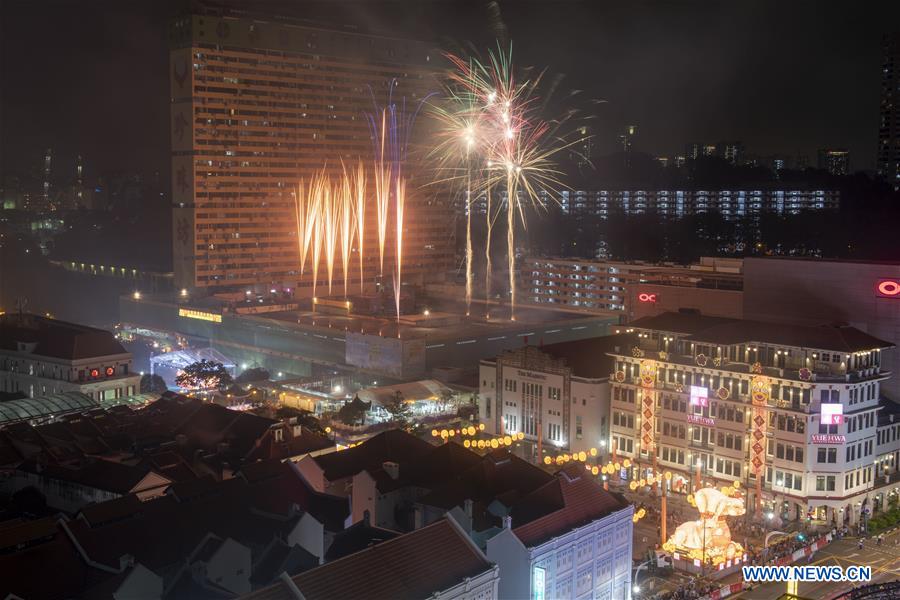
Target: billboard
699	396
832	414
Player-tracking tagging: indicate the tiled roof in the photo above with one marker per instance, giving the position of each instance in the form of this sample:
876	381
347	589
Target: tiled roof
57	339
414	565
570	500
718	330
358	536
50	571
392	445
95	473
588	358
499	474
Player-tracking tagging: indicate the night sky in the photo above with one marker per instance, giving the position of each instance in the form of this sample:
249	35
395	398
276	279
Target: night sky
784	77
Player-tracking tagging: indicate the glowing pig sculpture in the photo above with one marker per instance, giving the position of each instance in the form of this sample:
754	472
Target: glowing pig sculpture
710	532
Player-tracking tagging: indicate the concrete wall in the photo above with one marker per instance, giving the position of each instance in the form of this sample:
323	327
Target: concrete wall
817	292
670	298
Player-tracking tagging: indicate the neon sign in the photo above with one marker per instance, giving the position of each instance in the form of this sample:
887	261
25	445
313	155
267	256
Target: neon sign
644	297
110	371
699	396
538	583
887	288
199	314
828	438
701	420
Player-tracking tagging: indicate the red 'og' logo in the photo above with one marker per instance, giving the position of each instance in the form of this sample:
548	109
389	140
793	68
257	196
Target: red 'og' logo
887	288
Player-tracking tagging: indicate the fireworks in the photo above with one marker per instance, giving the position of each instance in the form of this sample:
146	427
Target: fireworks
330	210
490	118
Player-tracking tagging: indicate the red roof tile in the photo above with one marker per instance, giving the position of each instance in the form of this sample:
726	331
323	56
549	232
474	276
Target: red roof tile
569	501
414	565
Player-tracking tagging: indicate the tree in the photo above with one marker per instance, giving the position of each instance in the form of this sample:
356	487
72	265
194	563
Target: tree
398	409
253	374
448	400
204	375
354	412
153	384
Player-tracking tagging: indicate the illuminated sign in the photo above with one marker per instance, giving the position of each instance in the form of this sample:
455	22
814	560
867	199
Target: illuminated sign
95	372
198	314
644	297
538	583
828	438
110	371
699	396
832	414
887	288
701	420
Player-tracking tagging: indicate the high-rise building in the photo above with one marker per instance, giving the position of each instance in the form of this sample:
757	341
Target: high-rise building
46	172
834	160
260	104
888	158
732	152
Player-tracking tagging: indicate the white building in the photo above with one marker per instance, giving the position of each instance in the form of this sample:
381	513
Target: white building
791	412
580	550
41	356
557	395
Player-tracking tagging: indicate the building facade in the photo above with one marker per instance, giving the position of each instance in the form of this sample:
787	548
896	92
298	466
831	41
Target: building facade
40	356
591	560
257	106
551	394
713	285
789	412
888	156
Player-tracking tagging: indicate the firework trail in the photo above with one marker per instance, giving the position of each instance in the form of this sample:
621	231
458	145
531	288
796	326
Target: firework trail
359	189
513	143
391	134
400	202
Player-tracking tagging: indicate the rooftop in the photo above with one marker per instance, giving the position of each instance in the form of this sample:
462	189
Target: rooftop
422	563
56	339
571	500
725	331
588	357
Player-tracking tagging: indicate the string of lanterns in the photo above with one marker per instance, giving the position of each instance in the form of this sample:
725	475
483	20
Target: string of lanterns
449	433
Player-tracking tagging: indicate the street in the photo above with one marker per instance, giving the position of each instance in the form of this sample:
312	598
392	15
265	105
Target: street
884	560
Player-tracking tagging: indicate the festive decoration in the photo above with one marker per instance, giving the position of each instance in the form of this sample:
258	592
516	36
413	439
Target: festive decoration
805	374
723	393
637	352
756	368
709	537
701	360
620	376
648	405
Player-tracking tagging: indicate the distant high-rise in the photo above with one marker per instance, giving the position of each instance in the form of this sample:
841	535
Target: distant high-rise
888	159
259	104
733	152
45	181
835	161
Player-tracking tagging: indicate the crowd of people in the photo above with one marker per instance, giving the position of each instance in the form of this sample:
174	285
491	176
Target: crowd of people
696	588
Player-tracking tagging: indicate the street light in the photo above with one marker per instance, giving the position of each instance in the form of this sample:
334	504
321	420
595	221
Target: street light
635	587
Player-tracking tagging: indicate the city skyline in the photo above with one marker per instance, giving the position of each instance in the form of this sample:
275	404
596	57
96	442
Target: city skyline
814	84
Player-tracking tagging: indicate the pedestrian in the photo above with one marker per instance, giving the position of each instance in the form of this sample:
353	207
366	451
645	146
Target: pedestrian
860	543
